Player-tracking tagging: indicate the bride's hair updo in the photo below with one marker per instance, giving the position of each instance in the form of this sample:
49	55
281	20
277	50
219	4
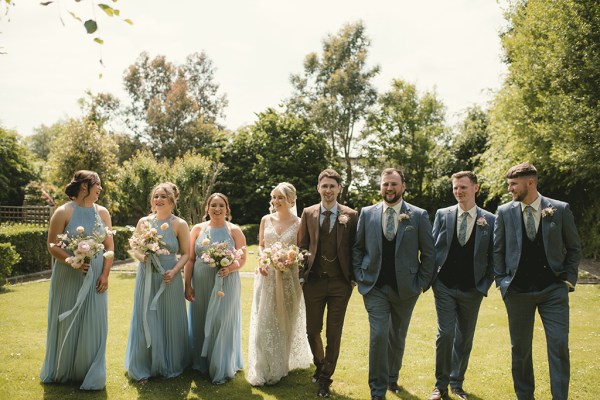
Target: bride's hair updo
171	191
288	191
210	199
80	177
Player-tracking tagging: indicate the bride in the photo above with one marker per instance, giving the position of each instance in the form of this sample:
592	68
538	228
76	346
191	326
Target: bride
278	341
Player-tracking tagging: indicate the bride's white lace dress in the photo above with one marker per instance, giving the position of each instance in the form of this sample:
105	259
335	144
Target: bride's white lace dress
277	342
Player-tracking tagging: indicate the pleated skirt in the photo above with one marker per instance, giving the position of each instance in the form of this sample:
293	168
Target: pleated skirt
76	346
168	353
216	324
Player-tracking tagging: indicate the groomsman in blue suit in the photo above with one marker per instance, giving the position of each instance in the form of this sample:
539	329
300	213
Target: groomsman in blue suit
393	258
464	258
536	258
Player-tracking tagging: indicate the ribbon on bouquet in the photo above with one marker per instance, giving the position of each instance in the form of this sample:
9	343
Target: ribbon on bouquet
282	314
84	290
148	265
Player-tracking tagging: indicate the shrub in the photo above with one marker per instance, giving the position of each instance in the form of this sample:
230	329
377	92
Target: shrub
8	258
30	243
251	233
121	239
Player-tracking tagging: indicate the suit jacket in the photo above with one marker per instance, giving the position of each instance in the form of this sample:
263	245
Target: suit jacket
560	237
444	229
308	238
413	237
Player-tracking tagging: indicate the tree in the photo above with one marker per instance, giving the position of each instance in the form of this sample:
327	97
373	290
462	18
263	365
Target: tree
278	147
548	110
81	145
335	91
173	108
404	131
39	142
195	176
137	177
16	169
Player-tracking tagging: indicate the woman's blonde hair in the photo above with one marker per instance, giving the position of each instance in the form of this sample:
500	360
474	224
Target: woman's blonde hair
288	191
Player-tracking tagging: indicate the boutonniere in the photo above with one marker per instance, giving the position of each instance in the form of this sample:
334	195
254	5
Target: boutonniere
343	219
404	216
481	222
548	212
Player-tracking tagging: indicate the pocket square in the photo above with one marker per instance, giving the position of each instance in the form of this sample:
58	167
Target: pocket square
409	228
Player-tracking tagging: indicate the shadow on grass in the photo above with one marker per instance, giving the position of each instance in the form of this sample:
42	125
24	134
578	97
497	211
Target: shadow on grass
70	391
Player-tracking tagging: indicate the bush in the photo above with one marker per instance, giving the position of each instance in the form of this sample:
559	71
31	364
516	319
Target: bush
251	233
121	239
30	243
8	258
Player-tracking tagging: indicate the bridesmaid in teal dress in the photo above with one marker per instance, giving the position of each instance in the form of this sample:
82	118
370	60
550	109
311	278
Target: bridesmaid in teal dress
77	307
158	342
215	313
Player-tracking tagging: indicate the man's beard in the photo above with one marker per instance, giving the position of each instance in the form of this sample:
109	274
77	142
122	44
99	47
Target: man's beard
393	200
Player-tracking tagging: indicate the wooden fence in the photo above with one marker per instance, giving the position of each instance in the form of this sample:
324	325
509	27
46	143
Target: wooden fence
39	215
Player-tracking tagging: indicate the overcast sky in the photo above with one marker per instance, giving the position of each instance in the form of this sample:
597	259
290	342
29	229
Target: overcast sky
451	46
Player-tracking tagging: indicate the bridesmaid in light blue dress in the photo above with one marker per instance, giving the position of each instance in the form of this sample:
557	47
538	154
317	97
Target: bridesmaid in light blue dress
77	307
158	342
215	313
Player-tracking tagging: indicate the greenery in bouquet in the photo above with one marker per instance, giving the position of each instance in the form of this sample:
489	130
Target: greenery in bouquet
83	247
281	257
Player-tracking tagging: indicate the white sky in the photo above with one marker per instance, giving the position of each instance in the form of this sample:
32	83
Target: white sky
451	46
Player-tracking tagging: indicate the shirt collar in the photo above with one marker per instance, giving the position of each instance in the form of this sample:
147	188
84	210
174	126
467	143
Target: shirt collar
536	204
334	209
472	211
397	208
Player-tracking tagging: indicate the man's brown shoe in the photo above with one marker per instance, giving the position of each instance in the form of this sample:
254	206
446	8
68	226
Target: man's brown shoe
438	394
394	388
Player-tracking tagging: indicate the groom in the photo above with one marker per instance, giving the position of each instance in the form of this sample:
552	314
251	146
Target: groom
536	258
393	260
327	231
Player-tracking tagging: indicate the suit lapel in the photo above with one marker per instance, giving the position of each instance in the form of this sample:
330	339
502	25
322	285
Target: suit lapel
316	214
545	222
517	220
376	218
339	229
402	225
478	232
450	225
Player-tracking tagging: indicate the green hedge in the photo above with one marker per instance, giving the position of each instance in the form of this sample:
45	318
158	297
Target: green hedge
251	233
30	243
8	258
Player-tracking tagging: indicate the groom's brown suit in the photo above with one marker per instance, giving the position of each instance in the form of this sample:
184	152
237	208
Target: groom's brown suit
321	288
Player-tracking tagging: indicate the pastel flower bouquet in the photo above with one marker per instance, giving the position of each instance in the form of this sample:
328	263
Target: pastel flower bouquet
219	255
281	257
147	240
83	247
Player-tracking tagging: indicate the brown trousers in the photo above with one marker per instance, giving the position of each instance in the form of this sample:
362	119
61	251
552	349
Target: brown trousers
333	293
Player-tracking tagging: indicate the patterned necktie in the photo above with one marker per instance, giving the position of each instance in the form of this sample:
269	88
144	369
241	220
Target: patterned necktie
325	226
462	229
389	224
530	223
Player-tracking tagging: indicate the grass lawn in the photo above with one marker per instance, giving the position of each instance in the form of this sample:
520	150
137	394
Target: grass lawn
23	335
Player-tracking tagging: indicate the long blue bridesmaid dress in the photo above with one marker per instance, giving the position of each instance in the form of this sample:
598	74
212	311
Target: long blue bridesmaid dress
77	316
215	322
158	342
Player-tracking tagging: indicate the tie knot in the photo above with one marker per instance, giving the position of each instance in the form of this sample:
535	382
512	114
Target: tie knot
390	211
465	215
327	213
529	209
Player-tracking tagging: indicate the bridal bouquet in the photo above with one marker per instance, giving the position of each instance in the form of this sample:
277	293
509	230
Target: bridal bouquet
84	248
147	240
281	256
